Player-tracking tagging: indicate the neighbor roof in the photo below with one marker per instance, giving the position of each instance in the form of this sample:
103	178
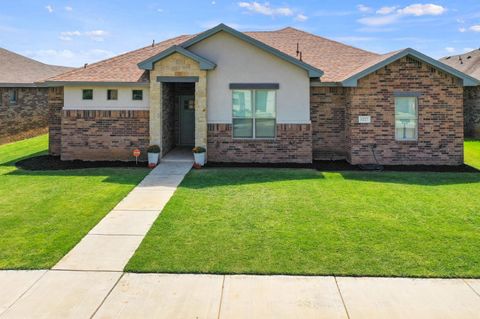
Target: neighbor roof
18	70
468	63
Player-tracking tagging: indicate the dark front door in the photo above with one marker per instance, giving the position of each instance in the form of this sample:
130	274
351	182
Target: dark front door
187	119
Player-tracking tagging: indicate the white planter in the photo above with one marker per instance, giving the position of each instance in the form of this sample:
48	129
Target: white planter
199	158
153	159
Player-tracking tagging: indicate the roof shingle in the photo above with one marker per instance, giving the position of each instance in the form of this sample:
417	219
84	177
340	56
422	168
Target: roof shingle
468	63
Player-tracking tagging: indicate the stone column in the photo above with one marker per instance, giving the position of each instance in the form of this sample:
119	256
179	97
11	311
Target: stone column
201	110
155	113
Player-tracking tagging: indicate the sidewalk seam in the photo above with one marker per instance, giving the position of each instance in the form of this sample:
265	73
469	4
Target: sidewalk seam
474	291
341	297
221	297
108	294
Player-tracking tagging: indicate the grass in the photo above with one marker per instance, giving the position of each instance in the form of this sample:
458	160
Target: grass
304	222
472	153
44	214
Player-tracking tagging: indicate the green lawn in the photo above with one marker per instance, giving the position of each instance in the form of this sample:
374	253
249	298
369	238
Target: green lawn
472	153
44	214
294	221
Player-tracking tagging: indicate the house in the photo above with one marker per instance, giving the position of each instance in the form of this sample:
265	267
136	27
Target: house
283	96
23	100
469	63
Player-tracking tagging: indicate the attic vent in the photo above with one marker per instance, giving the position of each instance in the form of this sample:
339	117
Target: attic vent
469	57
414	61
448	57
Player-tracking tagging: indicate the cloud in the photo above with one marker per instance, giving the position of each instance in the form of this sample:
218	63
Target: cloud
462	29
96	35
475	28
450	49
422	9
68	8
386	10
213	2
353	39
468	50
390	15
49	8
68	57
301	17
160	10
364	8
266	9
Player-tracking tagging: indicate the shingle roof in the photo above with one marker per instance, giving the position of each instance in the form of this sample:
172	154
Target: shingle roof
468	63
17	69
336	59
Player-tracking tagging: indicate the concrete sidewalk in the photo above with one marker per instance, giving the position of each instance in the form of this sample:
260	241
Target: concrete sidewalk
96	294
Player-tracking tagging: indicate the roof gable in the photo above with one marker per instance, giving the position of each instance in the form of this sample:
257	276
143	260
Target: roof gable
204	63
312	71
378	63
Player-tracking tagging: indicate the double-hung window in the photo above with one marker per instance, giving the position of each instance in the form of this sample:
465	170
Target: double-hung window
406	118
254	113
13	96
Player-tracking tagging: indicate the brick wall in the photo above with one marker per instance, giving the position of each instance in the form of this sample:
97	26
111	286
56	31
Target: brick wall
440	121
104	135
55	105
327	112
472	111
27	118
293	144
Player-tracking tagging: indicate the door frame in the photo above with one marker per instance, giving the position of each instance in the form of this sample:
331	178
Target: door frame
180	119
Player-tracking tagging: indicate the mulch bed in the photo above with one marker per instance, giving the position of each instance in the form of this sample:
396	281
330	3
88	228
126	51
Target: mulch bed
48	163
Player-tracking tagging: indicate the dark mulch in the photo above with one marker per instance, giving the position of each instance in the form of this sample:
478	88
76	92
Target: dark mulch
332	166
48	163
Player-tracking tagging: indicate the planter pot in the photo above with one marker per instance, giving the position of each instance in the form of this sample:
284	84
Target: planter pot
199	158
153	159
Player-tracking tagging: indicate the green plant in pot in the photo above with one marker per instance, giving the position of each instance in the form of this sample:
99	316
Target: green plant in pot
153	155
199	155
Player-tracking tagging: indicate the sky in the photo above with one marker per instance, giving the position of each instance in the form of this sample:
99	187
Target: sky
76	32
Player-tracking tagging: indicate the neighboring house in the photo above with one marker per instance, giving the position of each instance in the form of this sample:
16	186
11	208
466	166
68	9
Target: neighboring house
469	63
283	96
23	100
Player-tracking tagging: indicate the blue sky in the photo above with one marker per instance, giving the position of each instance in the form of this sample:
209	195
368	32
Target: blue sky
77	32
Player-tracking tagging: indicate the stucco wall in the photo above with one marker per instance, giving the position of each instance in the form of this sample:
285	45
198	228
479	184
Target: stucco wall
73	99
240	62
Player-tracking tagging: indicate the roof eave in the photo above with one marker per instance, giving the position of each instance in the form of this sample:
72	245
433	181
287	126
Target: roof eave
312	71
95	83
204	63
467	79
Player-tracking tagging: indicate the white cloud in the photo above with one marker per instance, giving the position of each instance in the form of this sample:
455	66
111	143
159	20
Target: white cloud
376	21
67	57
386	10
301	17
214	3
68	8
475	28
96	35
364	8
468	50
422	9
160	10
462	29
266	9
49	8
450	49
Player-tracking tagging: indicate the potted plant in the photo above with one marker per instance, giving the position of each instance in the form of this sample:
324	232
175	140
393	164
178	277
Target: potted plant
199	155
153	154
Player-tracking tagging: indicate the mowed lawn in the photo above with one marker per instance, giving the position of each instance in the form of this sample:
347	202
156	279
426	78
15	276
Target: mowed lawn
472	153
299	221
44	214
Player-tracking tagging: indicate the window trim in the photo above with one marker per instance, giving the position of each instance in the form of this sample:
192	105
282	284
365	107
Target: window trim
133	99
253	118
108	90
83	97
415	96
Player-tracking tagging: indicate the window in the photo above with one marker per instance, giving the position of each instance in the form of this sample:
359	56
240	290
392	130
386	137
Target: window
406	118
112	94
12	96
254	114
137	95
87	94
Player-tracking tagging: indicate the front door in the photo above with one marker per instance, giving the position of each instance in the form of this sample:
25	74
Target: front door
187	119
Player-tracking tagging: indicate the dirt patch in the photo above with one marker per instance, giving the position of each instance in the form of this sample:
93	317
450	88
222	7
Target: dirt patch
49	163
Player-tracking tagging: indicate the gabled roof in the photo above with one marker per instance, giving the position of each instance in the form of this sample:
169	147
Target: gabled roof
204	63
18	70
312	71
468	63
383	60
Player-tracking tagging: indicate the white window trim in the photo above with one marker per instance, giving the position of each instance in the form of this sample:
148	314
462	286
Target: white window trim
417	115
253	118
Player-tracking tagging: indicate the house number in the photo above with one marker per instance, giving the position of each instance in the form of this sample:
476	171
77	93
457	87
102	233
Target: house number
364	119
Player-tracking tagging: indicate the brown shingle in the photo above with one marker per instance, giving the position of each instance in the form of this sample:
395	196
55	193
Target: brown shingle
337	60
17	69
468	63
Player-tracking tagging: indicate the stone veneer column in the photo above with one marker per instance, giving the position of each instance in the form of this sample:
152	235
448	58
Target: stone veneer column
178	65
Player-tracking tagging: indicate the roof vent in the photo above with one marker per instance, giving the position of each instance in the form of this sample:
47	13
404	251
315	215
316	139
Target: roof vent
448	58
469	57
153	43
85	65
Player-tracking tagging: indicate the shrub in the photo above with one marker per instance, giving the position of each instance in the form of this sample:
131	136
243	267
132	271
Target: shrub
199	149
153	149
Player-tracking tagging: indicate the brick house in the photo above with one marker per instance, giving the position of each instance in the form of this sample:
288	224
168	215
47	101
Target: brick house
283	96
469	63
23	100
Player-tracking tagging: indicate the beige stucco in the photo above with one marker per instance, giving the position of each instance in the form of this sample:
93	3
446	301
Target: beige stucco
178	65
240	62
74	101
